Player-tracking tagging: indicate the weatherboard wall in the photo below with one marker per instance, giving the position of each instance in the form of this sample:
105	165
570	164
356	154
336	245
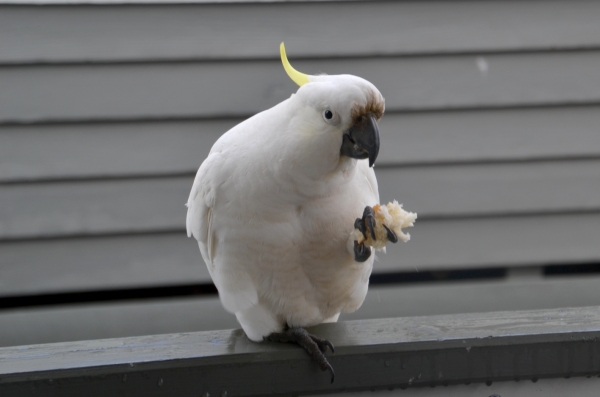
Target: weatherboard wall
491	134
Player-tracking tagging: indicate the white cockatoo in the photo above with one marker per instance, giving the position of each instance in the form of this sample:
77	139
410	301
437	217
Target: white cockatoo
275	204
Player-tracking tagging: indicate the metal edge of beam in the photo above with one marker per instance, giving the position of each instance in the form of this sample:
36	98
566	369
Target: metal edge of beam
370	355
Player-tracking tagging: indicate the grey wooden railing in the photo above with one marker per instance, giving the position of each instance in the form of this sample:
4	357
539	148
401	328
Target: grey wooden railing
370	355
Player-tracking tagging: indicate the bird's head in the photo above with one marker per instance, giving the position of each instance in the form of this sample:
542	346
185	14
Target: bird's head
341	110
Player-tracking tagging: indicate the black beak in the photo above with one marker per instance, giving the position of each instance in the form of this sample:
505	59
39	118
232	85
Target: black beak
362	140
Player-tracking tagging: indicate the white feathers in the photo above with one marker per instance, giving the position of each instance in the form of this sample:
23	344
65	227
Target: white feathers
257	322
273	205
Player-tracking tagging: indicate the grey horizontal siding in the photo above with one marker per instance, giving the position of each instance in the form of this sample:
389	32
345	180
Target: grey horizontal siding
144	205
80	264
58	265
115	33
491	134
493	189
41	152
485	296
93	207
47	151
116	320
496	242
113	320
219	89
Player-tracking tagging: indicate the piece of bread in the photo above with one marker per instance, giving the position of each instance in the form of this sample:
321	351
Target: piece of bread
394	217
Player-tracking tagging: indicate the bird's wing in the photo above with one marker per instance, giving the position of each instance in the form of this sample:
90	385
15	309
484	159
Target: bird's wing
199	203
205	210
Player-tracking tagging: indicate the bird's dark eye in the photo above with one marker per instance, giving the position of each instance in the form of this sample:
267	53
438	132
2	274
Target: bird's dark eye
328	114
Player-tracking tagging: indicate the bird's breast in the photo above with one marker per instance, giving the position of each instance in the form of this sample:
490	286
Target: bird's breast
292	235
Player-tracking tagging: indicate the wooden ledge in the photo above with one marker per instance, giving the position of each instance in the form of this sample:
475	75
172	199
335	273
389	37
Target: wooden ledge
374	354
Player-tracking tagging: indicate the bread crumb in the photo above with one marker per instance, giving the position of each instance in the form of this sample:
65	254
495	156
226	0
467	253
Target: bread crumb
394	217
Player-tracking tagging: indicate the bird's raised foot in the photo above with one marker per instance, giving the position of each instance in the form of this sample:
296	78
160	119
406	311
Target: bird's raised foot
314	345
364	225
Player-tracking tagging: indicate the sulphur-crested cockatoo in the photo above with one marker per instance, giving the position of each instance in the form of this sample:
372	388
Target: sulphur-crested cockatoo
275	203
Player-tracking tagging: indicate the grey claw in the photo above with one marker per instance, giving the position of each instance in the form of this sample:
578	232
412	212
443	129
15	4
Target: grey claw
323	344
332	373
361	252
369	217
360	226
366	223
391	235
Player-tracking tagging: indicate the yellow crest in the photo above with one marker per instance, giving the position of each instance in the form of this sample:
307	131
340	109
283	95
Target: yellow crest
296	76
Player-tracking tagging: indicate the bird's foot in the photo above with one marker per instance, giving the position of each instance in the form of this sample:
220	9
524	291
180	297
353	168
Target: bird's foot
364	225
314	345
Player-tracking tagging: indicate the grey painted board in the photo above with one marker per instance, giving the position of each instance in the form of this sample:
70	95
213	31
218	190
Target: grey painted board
113	320
476	297
82	264
116	320
62	265
458	190
35	152
215	89
580	387
369	354
114	33
157	204
114	206
496	242
492	134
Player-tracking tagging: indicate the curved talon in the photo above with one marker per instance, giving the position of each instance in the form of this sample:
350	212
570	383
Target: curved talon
369	219
366	223
330	368
361	252
360	226
323	344
391	235
330	345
